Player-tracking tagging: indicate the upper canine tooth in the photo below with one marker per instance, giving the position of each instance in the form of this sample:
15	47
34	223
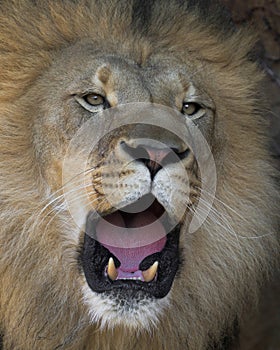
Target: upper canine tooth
150	274
111	270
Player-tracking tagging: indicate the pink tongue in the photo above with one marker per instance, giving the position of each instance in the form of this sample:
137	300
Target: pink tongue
143	236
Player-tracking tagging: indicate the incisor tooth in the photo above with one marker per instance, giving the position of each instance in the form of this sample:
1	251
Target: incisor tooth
150	274
112	271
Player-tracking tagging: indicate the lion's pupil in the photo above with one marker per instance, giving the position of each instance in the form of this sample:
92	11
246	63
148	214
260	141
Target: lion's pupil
94	99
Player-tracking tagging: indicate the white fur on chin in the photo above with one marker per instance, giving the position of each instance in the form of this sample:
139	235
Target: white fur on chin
140	314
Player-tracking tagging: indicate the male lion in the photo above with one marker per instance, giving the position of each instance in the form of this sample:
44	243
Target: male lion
139	208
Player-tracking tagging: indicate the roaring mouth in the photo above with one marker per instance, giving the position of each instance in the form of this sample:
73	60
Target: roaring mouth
131	250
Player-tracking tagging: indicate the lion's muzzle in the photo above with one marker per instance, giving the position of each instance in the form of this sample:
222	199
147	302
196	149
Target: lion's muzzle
136	246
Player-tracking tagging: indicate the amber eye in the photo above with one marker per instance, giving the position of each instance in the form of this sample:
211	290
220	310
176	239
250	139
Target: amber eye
94	99
190	108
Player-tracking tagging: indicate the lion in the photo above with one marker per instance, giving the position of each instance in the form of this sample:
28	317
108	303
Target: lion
102	106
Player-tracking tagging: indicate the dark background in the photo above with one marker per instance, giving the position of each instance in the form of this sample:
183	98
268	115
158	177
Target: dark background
264	16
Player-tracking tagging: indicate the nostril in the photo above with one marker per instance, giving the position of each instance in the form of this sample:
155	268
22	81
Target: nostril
154	157
184	154
175	155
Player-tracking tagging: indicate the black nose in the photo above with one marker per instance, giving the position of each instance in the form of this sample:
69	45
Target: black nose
154	158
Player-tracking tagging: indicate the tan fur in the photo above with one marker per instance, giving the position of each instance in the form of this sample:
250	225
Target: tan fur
41	286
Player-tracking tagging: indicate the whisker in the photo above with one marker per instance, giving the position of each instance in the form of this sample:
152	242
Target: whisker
54	200
219	219
228	216
223	203
63	208
72	181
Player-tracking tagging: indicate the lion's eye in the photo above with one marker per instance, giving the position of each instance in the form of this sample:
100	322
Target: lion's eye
94	99
190	108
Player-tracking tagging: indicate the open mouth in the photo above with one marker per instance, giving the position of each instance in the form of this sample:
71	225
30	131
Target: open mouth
131	250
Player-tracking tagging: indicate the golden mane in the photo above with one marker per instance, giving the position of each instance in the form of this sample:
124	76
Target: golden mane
39	287
33	32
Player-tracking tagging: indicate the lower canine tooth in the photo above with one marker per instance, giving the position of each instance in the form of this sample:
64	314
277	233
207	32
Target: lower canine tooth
112	271
150	274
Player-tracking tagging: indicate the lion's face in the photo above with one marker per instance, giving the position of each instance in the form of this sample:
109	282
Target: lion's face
141	180
136	189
